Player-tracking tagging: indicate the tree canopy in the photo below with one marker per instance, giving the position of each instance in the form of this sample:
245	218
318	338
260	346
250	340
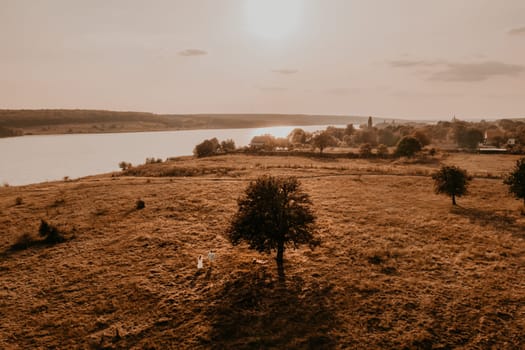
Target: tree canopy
516	180
323	140
451	180
273	213
408	146
207	148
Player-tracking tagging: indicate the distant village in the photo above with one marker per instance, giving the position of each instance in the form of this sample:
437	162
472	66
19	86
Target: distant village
500	136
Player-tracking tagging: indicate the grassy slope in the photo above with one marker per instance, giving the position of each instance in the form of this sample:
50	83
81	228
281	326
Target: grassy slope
398	267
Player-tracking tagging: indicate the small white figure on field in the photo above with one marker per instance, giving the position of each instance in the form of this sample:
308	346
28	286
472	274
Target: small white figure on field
211	256
257	261
199	262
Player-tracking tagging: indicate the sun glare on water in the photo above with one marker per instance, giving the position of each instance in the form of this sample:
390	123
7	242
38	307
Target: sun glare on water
272	19
275	131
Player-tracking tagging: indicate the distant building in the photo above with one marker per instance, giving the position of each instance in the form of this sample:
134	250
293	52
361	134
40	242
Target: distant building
511	141
370	122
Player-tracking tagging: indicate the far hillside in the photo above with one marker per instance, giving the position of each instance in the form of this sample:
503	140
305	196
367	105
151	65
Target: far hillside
61	121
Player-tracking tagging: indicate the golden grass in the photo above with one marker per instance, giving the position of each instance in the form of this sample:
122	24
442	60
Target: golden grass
398	267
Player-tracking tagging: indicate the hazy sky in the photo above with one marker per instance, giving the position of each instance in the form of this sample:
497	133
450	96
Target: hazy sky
399	58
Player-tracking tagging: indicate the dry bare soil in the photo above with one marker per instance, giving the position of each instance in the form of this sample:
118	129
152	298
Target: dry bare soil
399	267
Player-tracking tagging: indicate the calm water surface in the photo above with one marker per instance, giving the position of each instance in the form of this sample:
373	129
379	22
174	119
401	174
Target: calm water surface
32	159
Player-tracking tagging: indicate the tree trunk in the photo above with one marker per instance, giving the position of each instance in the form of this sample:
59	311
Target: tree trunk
280	260
453	199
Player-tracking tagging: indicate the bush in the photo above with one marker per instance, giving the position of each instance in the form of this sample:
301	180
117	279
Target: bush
516	180
422	137
382	151
207	148
124	165
153	160
228	146
365	150
408	146
140	204
50	233
18	201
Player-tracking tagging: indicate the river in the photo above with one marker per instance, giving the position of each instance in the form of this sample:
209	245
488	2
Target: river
39	158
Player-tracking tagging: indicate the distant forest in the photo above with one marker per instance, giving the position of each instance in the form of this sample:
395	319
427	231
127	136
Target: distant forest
60	121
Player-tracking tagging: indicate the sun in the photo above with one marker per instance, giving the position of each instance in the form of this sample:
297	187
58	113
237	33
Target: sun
272	19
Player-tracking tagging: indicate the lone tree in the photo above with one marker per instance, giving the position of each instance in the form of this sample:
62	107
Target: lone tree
408	146
516	180
273	213
451	180
323	140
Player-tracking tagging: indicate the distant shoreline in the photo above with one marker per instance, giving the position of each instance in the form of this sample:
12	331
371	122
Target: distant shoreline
61	121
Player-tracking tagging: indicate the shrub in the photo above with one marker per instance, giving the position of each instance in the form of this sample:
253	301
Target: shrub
382	151
153	160
365	150
207	148
18	201
140	204
422	137
516	180
50	233
408	146
124	165
228	145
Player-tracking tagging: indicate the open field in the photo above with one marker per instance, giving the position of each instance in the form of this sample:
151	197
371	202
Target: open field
398	266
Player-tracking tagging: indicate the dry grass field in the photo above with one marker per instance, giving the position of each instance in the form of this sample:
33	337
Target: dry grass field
398	267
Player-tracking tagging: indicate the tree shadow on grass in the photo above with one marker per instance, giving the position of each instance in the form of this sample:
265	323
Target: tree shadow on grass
499	221
254	310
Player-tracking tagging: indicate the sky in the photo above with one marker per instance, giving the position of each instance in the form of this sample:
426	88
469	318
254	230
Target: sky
413	59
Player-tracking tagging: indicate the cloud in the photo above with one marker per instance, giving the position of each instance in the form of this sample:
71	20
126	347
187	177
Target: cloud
476	71
192	52
466	72
342	91
408	63
517	31
285	71
272	88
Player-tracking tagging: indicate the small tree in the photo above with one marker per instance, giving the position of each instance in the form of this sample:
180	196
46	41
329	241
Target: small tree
207	148
228	145
124	165
382	151
516	180
323	140
365	150
422	137
273	213
451	180
468	137
408	146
